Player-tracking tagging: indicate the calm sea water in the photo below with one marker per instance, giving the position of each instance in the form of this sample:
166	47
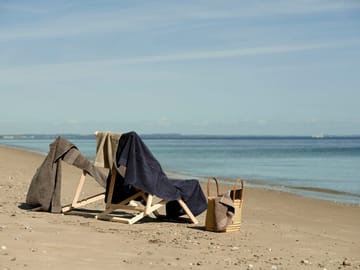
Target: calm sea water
326	168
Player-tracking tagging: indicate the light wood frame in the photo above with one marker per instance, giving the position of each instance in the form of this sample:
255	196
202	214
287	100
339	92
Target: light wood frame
136	211
76	203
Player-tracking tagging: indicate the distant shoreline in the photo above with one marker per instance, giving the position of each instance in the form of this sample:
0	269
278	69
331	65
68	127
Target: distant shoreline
175	136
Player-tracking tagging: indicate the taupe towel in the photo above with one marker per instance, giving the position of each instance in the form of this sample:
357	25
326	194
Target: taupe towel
44	192
106	146
223	211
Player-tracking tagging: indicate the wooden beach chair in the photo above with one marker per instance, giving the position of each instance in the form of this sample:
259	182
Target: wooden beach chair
131	209
44	193
106	144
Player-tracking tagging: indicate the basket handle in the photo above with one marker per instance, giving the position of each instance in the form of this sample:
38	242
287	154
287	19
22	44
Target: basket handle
217	186
237	182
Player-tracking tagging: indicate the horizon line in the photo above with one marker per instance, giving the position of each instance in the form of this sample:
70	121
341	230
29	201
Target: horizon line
177	135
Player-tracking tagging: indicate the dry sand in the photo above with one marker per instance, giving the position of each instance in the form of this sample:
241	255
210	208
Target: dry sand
278	231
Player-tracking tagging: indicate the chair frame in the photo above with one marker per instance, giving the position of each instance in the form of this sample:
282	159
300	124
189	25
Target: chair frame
76	203
137	212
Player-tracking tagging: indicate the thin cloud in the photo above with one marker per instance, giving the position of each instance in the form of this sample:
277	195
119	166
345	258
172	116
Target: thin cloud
22	8
82	22
93	66
271	8
67	27
207	55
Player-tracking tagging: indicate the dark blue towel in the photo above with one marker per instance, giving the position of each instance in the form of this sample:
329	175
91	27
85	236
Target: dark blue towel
144	172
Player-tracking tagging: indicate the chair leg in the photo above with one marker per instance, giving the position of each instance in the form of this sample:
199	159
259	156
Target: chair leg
111	188
79	188
188	211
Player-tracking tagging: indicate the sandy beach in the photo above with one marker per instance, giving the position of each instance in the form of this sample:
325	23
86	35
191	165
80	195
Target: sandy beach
278	231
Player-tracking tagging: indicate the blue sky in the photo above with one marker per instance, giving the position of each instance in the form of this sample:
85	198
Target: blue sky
191	67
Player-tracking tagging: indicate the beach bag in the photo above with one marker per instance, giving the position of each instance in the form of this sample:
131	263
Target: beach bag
224	210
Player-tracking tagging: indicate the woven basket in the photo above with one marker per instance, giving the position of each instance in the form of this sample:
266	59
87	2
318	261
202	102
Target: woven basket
237	196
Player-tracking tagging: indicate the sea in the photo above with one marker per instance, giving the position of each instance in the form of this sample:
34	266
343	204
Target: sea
326	168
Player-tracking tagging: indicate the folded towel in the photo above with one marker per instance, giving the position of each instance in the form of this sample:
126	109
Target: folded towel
223	211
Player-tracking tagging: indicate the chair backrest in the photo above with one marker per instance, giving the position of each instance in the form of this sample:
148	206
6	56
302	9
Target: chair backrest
106	146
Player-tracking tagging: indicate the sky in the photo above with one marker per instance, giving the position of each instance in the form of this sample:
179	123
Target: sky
191	67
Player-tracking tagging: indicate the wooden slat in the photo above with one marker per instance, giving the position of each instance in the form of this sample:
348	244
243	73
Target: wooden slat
78	203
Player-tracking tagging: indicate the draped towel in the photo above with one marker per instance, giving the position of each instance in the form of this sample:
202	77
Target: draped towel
106	146
44	193
144	172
